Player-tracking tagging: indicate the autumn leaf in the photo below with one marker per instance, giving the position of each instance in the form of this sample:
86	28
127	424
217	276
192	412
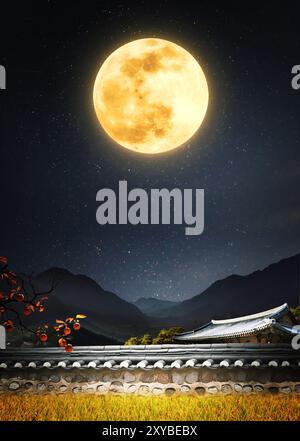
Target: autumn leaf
80	316
28	310
3	260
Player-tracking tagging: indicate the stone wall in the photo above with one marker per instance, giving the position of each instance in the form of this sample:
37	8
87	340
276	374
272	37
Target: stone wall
153	381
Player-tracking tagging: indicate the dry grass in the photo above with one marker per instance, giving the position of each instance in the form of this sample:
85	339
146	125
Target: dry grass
127	408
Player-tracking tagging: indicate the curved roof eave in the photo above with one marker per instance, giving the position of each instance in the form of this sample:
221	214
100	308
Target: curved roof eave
274	312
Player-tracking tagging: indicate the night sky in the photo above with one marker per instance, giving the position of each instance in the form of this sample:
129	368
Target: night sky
55	156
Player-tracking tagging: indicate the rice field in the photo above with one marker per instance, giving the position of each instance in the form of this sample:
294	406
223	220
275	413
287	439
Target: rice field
136	408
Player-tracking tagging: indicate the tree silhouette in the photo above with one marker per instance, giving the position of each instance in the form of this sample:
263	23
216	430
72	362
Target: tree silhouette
19	298
165	336
296	312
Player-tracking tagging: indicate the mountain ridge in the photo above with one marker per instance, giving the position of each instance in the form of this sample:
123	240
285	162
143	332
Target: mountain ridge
239	295
107	314
111	318
153	305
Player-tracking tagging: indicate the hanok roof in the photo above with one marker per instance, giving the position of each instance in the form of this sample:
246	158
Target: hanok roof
240	326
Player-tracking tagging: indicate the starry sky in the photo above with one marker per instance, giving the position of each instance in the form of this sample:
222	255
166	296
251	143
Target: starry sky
55	156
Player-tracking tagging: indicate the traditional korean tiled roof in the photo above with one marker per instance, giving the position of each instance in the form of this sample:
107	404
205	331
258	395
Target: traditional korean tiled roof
238	327
277	312
151	357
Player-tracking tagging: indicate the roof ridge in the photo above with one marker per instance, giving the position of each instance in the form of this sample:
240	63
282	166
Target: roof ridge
269	312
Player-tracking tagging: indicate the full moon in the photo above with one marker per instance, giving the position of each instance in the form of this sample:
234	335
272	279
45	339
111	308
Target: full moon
150	95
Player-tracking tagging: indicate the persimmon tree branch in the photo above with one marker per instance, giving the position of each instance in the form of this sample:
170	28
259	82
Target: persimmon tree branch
17	292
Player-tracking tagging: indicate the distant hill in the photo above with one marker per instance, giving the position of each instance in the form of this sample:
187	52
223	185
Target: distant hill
241	295
109	318
112	320
154	306
86	338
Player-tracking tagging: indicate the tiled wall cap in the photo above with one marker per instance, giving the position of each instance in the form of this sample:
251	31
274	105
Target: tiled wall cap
191	363
239	363
125	363
177	364
159	364
142	364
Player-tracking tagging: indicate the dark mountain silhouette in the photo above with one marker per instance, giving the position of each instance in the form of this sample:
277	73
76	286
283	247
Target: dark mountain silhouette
154	306
111	320
108	316
241	295
86	338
